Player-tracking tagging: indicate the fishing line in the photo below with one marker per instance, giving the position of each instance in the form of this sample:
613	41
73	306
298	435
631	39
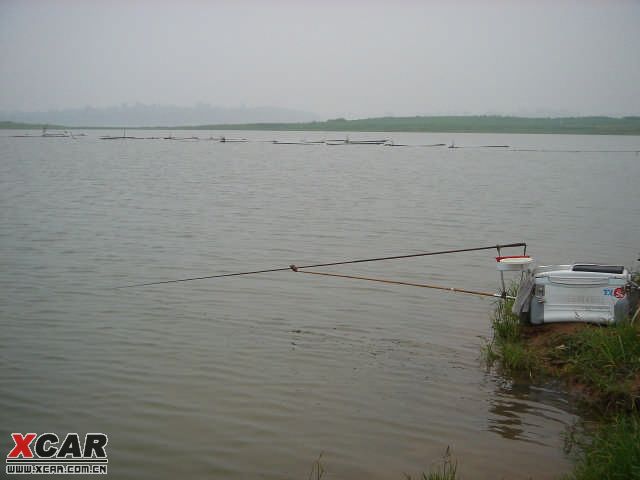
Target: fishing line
330	264
411	284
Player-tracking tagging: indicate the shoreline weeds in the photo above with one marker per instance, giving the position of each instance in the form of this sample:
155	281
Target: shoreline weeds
600	366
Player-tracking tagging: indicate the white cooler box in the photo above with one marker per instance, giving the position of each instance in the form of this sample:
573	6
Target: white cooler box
578	293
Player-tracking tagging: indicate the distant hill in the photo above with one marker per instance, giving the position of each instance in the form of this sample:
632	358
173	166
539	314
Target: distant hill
158	116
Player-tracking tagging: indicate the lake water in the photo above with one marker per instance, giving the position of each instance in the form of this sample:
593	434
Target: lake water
255	377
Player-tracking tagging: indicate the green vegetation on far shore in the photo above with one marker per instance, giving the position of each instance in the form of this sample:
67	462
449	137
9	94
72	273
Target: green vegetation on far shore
460	124
441	124
28	126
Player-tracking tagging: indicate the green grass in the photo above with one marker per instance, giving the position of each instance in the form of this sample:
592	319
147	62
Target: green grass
506	326
317	470
613	452
447	471
603	362
606	360
508	346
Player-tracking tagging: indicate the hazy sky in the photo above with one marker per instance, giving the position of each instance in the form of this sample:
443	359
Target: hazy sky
335	58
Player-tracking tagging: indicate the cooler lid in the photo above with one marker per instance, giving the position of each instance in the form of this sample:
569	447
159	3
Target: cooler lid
587	267
584	275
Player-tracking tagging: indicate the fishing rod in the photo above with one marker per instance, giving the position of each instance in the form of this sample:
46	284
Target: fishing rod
502	295
329	264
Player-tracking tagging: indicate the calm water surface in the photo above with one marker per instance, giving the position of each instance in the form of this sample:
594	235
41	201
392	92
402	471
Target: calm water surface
254	377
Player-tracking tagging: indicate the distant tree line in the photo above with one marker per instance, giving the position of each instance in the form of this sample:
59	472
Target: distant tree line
460	124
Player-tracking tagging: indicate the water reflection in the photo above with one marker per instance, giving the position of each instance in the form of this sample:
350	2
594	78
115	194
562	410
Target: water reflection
519	409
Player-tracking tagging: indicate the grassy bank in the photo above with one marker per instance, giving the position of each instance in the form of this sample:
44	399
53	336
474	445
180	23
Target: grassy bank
601	366
611	452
